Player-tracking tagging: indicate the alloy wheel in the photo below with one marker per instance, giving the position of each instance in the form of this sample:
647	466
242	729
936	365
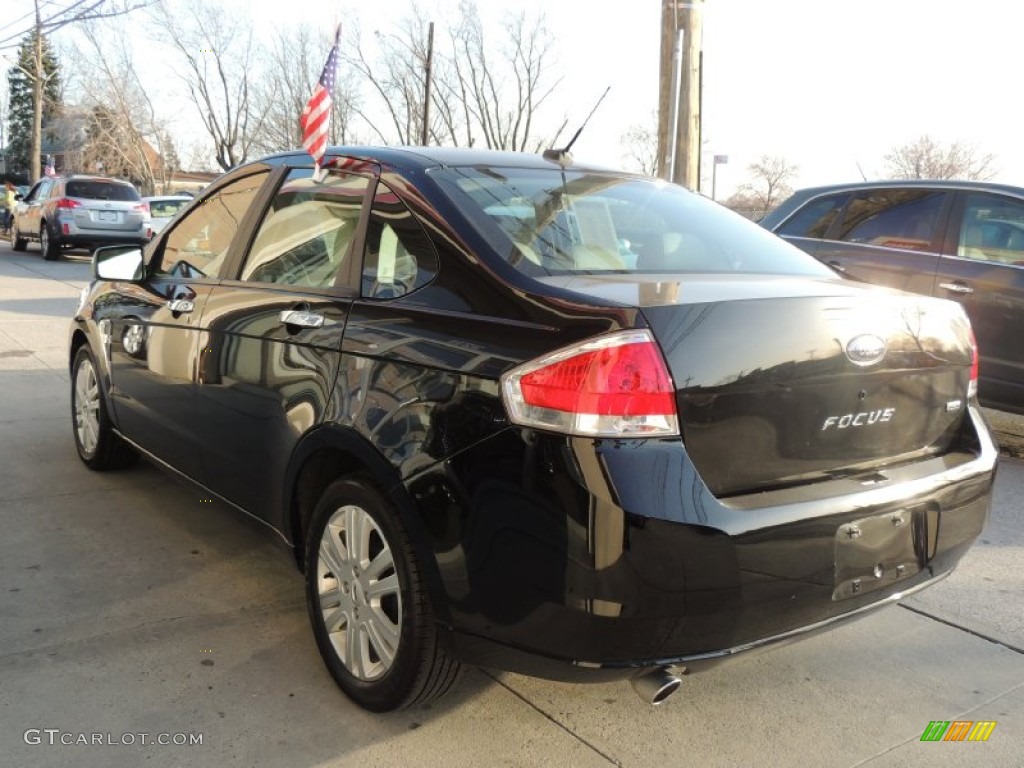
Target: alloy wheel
359	593
87	406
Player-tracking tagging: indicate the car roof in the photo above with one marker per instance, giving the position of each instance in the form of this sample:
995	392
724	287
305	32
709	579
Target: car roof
421	158
87	177
962	184
775	218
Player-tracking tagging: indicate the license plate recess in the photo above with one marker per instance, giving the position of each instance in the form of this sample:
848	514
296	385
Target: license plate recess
874	552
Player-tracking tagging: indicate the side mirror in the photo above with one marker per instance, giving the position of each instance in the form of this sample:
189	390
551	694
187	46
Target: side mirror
118	262
19	196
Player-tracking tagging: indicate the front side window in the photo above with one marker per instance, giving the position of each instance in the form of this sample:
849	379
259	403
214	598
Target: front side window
814	219
198	245
309	231
893	218
545	222
992	229
399	256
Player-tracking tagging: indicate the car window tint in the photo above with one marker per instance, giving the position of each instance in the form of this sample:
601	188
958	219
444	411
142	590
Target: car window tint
992	229
309	231
198	244
893	218
549	222
814	218
100	190
399	256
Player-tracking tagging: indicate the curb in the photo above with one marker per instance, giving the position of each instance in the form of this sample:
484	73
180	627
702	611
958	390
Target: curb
1008	430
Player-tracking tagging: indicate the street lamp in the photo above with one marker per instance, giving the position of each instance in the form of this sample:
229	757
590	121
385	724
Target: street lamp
719	160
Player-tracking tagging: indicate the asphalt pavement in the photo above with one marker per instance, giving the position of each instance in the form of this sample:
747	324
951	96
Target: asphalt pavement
131	612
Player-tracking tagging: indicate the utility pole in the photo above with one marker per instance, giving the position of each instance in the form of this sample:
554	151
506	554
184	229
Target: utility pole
428	76
679	141
37	98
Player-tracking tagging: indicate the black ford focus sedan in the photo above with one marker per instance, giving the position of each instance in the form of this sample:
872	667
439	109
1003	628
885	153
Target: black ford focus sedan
535	416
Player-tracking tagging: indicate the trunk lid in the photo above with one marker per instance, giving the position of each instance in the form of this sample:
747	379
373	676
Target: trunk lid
782	381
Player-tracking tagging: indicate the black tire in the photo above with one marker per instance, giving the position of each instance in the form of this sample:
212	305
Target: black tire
99	448
48	243
17	242
419	670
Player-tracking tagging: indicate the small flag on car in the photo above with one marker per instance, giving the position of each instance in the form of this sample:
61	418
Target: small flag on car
316	117
49	170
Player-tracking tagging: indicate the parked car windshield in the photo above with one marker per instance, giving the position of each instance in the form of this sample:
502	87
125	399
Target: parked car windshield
548	222
101	190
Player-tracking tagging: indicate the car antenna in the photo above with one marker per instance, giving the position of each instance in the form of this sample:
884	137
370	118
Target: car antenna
562	156
862	175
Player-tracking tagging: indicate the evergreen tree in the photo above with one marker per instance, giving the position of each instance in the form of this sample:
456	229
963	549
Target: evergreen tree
22	102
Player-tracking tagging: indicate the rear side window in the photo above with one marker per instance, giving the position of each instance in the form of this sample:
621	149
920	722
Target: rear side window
546	222
100	190
399	255
814	218
893	218
992	229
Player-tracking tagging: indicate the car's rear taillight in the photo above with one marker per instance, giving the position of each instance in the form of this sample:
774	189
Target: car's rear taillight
972	387
144	207
67	203
612	386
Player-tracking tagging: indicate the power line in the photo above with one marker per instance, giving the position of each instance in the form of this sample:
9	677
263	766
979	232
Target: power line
28	29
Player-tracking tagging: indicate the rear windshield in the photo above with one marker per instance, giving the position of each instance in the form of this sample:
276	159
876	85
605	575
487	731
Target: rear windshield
166	208
545	223
101	190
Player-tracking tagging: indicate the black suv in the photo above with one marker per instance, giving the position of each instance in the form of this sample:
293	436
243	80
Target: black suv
80	211
954	239
560	420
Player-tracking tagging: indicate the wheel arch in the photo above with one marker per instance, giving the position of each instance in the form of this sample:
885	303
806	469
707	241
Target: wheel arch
330	452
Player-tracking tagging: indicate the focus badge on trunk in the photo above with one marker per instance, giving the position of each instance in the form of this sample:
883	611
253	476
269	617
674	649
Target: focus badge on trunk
866	349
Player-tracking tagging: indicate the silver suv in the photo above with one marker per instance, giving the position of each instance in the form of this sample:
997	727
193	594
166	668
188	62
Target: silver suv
80	211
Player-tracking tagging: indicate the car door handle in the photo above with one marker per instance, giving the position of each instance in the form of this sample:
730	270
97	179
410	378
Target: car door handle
957	288
180	306
300	318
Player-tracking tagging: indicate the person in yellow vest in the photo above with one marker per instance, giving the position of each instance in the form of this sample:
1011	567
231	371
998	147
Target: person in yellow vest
9	203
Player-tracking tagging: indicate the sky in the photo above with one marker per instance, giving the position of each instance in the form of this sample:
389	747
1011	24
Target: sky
830	86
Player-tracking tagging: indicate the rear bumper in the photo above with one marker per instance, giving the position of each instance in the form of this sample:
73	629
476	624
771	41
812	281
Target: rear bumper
579	559
96	240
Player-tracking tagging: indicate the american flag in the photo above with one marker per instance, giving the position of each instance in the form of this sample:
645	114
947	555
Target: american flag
49	170
316	117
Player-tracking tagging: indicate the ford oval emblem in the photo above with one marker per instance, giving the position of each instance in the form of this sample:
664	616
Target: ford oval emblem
866	349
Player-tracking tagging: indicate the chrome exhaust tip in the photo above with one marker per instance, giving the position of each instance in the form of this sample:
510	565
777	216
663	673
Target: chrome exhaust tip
656	686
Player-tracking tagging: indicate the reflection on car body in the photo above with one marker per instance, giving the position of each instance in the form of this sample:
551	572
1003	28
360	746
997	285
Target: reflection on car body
958	240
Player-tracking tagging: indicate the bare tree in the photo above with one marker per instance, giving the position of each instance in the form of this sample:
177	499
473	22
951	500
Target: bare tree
295	59
502	94
766	187
483	92
396	76
926	158
641	142
124	135
217	47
